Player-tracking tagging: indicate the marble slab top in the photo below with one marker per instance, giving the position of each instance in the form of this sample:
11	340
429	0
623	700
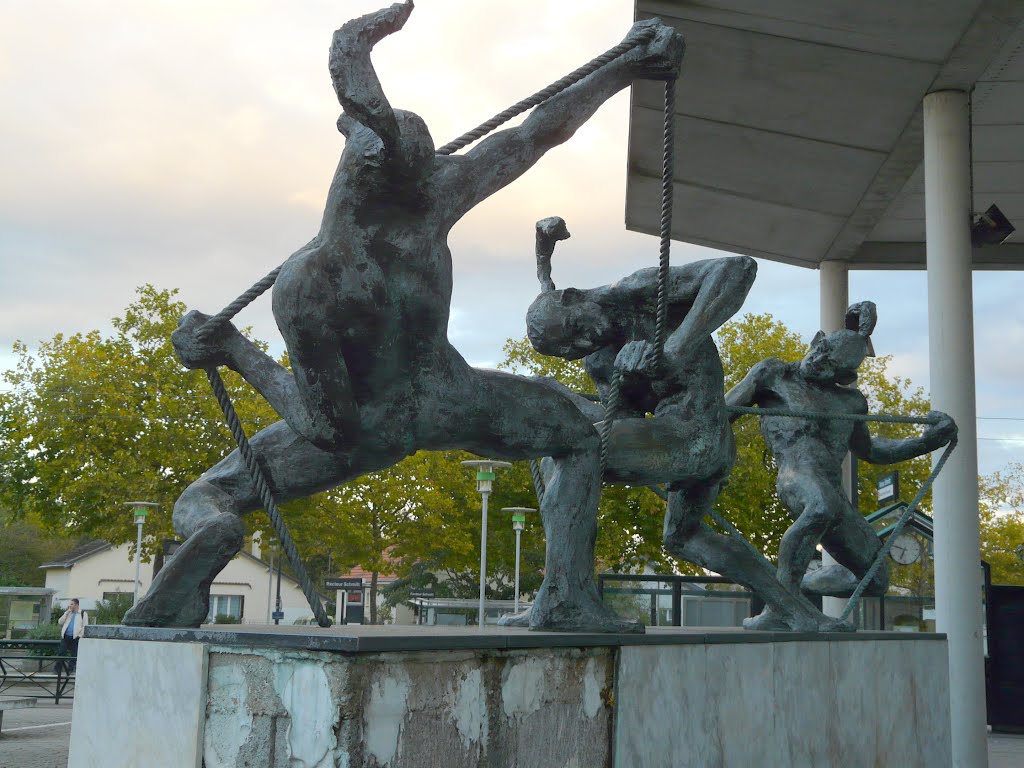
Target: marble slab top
355	638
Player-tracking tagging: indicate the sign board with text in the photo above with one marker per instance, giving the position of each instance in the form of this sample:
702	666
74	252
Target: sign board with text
889	488
344	584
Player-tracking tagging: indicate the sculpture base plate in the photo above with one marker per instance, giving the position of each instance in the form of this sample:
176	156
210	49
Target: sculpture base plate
394	696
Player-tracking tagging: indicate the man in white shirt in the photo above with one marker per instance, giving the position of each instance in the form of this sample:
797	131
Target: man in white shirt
72	623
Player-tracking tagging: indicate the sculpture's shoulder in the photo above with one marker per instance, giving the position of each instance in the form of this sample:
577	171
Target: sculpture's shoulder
856	401
771	369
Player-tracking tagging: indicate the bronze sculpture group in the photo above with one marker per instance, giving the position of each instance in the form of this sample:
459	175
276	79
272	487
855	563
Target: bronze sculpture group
363	309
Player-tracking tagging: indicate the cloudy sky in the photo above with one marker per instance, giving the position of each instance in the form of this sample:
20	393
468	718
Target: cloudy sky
190	145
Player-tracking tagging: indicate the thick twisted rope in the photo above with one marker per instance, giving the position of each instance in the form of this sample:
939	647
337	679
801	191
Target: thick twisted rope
664	252
900	524
266	496
236	306
538	481
543	95
611	410
828	415
664	262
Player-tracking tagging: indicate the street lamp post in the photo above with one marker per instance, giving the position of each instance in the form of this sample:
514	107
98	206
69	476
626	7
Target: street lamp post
518	524
141	509
278	612
484	477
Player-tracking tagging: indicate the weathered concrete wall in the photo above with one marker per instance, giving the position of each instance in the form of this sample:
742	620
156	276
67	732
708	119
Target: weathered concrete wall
855	704
409	710
508	699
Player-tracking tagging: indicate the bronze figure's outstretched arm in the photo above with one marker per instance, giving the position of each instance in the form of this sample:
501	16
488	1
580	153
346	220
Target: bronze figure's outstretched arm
505	156
884	450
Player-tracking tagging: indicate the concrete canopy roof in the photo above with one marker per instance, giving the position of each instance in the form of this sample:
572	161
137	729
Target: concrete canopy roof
799	125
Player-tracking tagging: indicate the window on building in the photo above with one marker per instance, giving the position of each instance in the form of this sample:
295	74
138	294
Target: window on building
226	605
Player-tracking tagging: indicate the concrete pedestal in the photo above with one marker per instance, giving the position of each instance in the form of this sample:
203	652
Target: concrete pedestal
396	697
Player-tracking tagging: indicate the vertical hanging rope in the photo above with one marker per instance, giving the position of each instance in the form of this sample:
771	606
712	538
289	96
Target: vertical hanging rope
665	248
664	254
611	410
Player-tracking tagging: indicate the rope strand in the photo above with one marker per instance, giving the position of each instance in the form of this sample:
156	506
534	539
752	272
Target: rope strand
543	95
904	519
236	306
266	496
828	415
664	254
665	246
538	481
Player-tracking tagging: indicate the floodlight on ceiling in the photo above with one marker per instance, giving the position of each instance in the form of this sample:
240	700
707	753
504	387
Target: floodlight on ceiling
990	228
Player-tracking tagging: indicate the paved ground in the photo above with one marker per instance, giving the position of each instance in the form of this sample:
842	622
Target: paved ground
38	738
1005	751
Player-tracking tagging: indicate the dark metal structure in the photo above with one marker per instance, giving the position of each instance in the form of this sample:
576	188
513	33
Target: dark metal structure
1004	667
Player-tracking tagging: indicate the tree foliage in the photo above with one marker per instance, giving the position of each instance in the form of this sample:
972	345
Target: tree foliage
92	420
24	545
1002	524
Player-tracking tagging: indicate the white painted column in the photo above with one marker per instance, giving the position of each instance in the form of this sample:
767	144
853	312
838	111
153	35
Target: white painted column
958	576
834	298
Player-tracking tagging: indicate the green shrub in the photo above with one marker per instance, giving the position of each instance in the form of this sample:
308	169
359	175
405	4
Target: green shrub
226	618
111	611
44	632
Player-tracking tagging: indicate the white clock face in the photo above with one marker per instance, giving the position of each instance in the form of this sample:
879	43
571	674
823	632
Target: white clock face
905	549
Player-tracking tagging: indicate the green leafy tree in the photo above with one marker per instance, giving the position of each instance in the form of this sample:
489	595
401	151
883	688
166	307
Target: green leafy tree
24	546
1002	524
93	420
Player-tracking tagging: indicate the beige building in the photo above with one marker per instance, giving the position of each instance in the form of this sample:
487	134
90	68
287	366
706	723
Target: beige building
245	589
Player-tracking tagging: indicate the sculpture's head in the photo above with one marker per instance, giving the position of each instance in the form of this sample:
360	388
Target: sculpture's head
415	143
835	358
567	323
